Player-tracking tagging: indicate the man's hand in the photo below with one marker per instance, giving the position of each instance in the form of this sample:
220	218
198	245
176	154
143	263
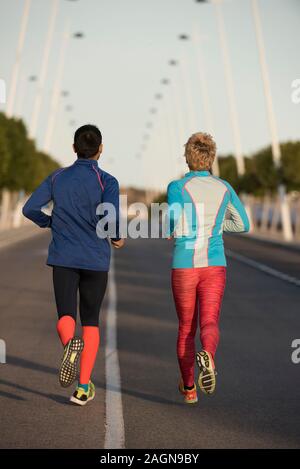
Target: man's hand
118	244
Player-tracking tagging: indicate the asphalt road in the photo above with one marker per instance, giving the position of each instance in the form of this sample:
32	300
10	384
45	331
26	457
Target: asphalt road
35	411
256	404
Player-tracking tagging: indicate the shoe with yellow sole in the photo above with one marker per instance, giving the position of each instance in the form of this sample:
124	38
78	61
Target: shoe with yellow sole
69	365
190	395
207	375
82	397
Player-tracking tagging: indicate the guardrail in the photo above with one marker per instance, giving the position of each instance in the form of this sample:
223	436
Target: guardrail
266	215
11	209
264	212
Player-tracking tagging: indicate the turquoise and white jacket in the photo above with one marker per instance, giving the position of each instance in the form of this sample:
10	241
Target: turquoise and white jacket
198	204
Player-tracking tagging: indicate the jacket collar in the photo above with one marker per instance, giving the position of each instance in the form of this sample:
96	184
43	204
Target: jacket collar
198	173
86	162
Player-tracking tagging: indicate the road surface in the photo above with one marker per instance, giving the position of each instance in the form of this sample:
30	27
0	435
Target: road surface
256	404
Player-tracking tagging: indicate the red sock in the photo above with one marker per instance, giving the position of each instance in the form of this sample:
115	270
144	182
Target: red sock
91	338
66	329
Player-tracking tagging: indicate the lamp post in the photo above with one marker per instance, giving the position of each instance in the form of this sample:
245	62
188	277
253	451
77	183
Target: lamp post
208	115
171	135
21	93
54	103
234	117
16	67
178	110
43	72
187	88
209	121
276	151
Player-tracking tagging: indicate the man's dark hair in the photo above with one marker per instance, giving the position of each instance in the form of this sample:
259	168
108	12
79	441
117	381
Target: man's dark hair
87	140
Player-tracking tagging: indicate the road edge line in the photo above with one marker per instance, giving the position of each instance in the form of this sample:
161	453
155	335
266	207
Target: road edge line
115	430
263	268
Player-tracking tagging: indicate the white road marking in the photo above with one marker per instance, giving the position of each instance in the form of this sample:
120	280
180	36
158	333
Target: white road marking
115	432
264	268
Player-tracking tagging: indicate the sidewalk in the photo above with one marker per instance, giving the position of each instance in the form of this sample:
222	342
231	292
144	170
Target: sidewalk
15	235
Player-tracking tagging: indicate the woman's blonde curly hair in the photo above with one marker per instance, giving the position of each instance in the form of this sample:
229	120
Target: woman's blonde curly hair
200	152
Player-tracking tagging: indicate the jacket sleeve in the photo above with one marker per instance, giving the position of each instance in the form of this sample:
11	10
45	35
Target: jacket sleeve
238	221
40	197
111	195
174	197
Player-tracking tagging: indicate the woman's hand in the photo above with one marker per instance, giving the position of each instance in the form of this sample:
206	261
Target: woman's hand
118	244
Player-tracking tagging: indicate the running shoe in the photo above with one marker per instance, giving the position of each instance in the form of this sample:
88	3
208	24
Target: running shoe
190	395
81	397
69	365
207	375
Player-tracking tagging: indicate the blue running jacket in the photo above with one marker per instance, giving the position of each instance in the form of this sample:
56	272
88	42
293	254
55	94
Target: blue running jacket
76	192
197	207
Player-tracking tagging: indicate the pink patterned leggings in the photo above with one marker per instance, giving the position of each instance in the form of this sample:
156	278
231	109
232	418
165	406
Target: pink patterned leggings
198	292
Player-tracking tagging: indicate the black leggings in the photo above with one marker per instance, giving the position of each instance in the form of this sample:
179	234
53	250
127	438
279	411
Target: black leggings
91	285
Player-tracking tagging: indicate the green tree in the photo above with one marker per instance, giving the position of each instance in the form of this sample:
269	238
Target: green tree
21	165
228	170
39	167
290	168
4	153
21	150
249	181
265	170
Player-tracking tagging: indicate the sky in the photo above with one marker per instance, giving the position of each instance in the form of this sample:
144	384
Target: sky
115	71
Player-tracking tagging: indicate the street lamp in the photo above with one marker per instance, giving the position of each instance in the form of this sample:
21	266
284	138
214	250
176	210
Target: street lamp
178	108
187	88
43	71
16	67
57	85
204	89
230	86
170	134
276	151
21	93
78	35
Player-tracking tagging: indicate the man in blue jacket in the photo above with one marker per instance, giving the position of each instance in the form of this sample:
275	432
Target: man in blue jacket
79	258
